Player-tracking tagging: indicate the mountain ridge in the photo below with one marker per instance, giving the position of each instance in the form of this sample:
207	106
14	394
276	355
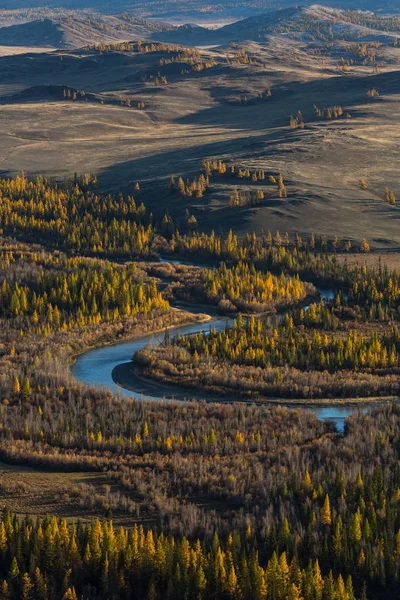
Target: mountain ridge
80	29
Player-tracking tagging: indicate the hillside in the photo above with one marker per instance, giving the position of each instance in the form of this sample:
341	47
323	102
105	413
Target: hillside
73	30
33	33
130	112
313	22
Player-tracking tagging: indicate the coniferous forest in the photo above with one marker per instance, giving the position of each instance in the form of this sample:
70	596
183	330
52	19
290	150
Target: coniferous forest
245	495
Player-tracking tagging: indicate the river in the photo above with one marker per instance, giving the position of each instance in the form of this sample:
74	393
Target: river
95	368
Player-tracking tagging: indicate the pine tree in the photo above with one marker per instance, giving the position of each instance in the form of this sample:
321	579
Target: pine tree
5	591
326	518
364	592
26	388
307	481
364	246
27	587
356	531
294	593
231	583
14	569
70	594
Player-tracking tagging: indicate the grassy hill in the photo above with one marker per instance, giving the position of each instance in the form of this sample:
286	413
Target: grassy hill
130	112
74	29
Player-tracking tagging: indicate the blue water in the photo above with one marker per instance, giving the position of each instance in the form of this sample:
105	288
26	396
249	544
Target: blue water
95	368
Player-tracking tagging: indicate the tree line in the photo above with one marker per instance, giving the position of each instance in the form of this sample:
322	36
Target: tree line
47	559
74	292
71	215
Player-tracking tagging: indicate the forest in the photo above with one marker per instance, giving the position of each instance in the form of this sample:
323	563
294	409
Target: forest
58	215
344	347
237	288
238	499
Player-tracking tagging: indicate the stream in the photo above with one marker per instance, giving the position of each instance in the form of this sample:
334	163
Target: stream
95	368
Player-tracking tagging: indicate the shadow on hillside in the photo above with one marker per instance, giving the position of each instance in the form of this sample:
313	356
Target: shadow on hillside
288	98
186	161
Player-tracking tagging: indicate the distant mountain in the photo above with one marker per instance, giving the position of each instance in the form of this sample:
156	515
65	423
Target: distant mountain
181	10
311	22
69	29
78	29
35	33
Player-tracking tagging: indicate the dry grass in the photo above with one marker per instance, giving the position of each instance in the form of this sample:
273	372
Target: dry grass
190	119
35	492
391	260
11	50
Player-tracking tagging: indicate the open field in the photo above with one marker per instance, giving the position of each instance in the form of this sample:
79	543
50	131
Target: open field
217	113
391	260
11	50
35	492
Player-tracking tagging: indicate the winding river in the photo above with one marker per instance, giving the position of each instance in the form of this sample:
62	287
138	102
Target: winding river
95	368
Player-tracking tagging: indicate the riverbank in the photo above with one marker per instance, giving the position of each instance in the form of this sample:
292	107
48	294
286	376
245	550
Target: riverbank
242	292
110	367
130	377
174	319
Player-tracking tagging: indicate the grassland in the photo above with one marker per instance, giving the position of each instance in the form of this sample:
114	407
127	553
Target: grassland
218	113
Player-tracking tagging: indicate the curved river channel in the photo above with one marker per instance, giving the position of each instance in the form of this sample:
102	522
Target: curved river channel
95	368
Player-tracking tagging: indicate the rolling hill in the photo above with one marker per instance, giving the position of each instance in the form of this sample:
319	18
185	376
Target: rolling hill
145	112
74	30
310	23
315	22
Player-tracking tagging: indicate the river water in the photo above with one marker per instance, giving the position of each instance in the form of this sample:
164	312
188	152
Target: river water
95	368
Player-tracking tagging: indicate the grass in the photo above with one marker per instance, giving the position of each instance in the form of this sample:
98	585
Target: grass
37	493
190	119
391	260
